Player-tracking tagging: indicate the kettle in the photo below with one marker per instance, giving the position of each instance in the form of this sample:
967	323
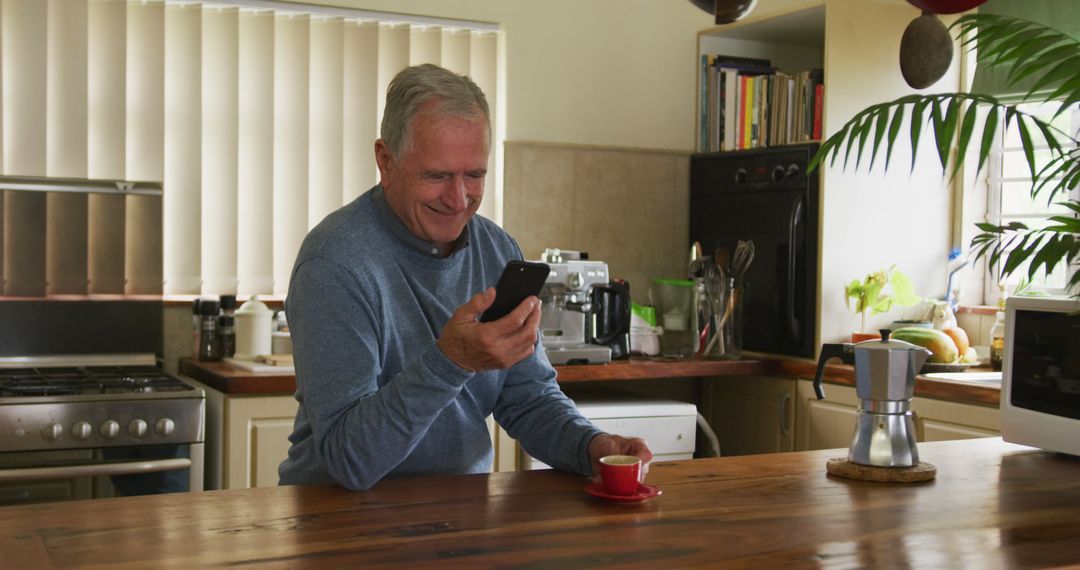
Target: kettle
885	372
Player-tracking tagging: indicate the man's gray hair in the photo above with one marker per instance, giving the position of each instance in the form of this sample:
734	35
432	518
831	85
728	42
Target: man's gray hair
414	88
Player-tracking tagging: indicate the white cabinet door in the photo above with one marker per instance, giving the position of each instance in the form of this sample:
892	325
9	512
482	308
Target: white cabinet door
828	423
257	433
938	420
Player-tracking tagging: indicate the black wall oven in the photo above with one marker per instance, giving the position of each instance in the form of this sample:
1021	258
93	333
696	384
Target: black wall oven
764	195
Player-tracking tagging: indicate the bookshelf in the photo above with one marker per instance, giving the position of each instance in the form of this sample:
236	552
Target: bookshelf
771	108
864	214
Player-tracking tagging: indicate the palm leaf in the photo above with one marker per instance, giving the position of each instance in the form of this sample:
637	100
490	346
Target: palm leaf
894	129
989	131
966	128
881	122
916	128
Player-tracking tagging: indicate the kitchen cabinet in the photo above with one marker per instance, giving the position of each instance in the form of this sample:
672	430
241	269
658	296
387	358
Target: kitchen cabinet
830	423
752	414
247	437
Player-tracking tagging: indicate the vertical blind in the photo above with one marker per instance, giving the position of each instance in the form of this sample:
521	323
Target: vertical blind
259	118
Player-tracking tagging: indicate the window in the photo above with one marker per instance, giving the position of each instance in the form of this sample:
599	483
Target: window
1009	199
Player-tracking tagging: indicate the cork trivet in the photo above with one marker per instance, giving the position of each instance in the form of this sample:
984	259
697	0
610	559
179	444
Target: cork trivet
841	467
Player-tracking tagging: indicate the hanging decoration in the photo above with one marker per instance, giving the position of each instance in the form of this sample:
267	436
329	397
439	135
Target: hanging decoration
945	6
926	49
726	11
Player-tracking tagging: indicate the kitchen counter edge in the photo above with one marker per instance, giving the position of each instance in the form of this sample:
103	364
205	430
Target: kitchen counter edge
232	380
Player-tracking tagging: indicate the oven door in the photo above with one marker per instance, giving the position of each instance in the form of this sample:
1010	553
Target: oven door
65	475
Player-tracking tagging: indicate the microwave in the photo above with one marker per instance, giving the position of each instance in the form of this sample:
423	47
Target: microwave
1040	374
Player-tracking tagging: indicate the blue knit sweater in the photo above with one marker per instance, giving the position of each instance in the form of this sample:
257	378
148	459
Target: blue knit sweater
377	397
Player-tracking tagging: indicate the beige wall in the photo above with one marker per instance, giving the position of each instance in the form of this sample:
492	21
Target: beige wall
627	207
873	219
587	71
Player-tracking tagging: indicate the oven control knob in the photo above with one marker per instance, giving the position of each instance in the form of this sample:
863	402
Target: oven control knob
165	427
109	429
81	430
52	432
137	428
778	173
793	170
741	176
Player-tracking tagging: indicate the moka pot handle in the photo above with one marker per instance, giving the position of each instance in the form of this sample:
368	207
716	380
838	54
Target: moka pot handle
844	352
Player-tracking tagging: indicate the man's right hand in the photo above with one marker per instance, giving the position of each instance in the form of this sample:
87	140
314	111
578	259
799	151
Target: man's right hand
496	345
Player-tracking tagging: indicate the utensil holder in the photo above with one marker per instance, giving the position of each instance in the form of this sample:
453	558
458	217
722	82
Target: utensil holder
726	324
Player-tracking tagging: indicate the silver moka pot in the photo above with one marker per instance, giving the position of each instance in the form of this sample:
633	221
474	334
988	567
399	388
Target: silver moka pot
885	382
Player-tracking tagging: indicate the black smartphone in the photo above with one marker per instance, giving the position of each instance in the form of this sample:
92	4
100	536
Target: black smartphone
519	280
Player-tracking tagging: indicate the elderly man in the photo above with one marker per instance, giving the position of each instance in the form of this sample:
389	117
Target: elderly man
395	374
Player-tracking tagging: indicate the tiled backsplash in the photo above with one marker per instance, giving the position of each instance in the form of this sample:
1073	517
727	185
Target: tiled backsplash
627	207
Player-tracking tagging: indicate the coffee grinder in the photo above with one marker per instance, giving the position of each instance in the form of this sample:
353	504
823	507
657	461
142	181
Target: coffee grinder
883	447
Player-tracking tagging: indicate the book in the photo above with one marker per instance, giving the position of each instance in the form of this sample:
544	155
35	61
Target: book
819	98
731	105
703	119
747	103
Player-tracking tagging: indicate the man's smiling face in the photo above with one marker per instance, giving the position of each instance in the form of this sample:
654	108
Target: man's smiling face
437	184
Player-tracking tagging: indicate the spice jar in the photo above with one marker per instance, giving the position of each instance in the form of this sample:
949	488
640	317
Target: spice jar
209	346
227	336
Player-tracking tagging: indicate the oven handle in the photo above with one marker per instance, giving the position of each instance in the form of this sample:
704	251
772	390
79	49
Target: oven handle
96	470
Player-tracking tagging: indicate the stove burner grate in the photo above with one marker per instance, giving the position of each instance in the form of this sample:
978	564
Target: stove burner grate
89	380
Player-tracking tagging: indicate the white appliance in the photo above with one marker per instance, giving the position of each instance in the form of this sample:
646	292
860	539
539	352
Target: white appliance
1040	375
670	427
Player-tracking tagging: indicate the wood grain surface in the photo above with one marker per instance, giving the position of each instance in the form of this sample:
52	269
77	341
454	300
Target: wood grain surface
992	505
232	380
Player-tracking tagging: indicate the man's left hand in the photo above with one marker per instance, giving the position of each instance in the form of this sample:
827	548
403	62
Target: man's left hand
609	444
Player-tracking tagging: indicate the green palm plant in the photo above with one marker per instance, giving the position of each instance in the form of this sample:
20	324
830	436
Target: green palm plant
1028	51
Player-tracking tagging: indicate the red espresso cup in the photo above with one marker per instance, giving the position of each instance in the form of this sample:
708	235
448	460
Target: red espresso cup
620	474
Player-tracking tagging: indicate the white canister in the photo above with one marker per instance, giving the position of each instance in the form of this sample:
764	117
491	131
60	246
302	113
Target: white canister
253	331
281	343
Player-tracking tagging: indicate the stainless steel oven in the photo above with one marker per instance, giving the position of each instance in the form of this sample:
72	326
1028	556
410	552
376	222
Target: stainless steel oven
80	425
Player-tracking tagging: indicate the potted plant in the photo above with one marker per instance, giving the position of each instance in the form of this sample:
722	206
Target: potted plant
877	293
1027	51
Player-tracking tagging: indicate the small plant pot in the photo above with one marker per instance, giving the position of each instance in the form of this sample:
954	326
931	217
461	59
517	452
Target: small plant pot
861	336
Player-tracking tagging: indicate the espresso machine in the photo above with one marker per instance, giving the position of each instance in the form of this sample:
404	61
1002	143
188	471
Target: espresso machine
585	319
885	372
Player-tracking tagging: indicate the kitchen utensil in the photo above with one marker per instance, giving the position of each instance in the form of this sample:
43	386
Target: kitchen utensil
885	372
741	260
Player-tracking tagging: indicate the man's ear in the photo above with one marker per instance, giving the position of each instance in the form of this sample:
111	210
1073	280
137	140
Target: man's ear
384	159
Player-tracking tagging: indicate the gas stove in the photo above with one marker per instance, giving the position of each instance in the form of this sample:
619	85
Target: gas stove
87	381
55	402
85	403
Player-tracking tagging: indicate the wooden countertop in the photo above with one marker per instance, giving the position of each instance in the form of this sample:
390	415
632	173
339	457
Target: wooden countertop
993	505
232	380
